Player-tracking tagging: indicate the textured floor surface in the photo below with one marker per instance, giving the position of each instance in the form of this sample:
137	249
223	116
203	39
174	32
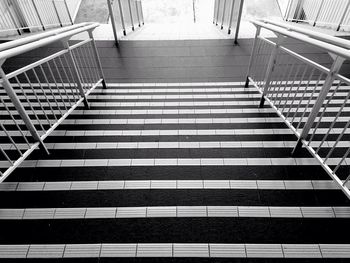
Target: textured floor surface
172	171
167	171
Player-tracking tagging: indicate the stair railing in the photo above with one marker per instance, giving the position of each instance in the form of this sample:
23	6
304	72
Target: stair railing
125	16
303	93
19	16
228	15
36	98
340	42
324	12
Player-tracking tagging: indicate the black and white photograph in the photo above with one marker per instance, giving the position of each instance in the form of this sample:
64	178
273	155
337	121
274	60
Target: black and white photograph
180	131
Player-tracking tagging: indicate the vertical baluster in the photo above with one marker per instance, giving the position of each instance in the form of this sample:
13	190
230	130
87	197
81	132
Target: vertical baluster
288	9
252	55
343	16
97	58
215	9
137	12
231	16
223	15
114	26
270	68
20	109
75	72
338	62
69	15
68	80
131	18
122	17
318	12
72	75
56	11
141	12
239	20
49	86
218	12
38	15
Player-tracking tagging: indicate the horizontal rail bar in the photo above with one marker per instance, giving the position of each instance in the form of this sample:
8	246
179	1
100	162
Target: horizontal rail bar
311	33
30	39
42	42
298	36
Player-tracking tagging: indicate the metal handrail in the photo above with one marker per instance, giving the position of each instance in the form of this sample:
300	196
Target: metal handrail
121	11
298	36
316	35
324	12
39	36
35	14
224	15
57	83
301	92
45	41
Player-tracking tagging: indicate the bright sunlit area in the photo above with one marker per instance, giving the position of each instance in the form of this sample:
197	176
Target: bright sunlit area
193	19
182	19
202	11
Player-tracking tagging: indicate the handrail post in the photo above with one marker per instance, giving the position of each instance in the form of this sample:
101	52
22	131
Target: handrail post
318	12
111	14
20	109
217	12
338	62
122	17
132	20
37	13
223	15
137	12
289	6
343	16
58	16
97	58
75	73
69	15
271	68
239	20
143	20
252	55
300	7
215	8
231	17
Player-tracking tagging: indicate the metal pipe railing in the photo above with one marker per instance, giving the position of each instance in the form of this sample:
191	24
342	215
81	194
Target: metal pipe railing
340	42
228	15
39	97
301	91
32	15
329	13
125	16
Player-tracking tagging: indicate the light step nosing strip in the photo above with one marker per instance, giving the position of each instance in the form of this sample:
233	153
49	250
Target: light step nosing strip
176	145
89	213
164	111
175	250
169	184
158	84
212	96
162	121
151	90
162	86
176	162
173	132
252	103
177	121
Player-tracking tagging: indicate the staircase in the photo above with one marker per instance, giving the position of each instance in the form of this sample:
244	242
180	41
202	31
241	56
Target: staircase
173	170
